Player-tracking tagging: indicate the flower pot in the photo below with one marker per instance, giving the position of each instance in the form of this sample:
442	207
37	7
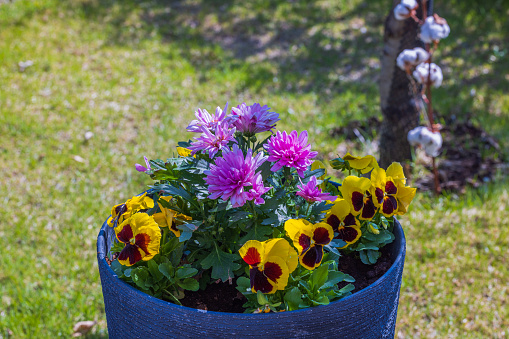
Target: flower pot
369	313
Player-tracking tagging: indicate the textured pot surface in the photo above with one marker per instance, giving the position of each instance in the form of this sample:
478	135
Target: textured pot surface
369	313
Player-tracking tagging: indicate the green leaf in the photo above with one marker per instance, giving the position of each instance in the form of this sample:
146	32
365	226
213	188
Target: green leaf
140	277
189	284
369	257
117	268
321	300
222	263
167	270
347	288
239	215
336	277
293	298
154	271
373	256
243	285
186	272
319	277
170	246
262	299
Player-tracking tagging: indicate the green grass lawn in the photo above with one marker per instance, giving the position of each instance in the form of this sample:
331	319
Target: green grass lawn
133	73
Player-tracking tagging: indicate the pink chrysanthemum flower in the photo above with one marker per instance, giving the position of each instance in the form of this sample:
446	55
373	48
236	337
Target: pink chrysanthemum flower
253	119
213	143
290	150
234	177
205	119
313	193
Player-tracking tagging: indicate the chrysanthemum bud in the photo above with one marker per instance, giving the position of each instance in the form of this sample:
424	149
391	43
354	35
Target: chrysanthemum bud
410	58
421	74
430	141
405	9
434	29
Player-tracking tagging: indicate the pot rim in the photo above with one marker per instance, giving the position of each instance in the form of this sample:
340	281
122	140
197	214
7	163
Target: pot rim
101	254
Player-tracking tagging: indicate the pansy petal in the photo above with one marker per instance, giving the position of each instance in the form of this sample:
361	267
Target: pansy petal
395	171
312	258
350	220
405	196
369	210
276	271
124	233
142	232
358	162
389	206
259	282
390	188
322	233
129	255
357	201
349	234
252	252
281	248
303	242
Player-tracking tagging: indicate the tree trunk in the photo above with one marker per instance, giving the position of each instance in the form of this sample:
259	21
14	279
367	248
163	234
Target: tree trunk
397	101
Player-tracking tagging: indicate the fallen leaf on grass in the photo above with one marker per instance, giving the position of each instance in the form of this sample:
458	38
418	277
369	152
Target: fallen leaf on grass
83	327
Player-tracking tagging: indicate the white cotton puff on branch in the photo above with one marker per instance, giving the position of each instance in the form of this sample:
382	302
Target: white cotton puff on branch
410	58
421	74
405	9
434	28
430	141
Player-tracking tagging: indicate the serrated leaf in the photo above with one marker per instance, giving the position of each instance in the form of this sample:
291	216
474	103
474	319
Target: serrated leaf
189	284
185	272
223	264
256	232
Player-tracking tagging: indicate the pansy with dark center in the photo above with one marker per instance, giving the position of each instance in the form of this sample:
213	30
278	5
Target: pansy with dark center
356	191
121	212
309	240
343	222
141	236
270	264
392	196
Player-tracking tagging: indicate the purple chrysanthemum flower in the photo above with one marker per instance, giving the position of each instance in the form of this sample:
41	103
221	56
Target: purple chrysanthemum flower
141	168
205	119
234	177
253	119
311	192
213	143
290	150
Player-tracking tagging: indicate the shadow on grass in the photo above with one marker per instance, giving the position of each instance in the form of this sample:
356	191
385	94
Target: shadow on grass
299	46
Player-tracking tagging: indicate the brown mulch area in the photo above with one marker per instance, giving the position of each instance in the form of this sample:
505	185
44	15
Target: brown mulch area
469	157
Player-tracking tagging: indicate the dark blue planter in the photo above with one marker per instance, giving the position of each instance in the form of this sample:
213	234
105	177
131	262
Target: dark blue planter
369	313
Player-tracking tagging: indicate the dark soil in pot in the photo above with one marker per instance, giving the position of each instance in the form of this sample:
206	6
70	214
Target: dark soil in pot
223	297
